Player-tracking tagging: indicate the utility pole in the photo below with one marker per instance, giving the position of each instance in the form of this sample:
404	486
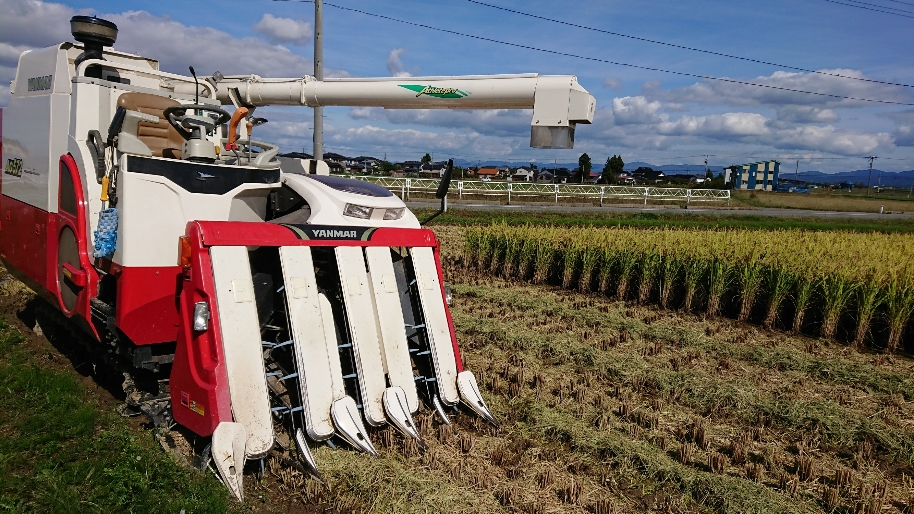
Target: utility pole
319	75
796	174
870	179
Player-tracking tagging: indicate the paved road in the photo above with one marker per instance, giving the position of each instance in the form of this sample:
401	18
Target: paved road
659	209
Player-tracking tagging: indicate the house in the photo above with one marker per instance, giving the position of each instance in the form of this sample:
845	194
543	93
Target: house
761	176
487	171
523	174
410	166
647	175
432	169
545	176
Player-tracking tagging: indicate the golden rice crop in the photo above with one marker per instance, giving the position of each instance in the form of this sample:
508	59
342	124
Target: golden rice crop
798	279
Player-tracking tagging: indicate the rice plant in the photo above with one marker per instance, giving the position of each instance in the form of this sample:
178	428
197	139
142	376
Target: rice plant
650	266
626	267
868	298
693	271
718	279
749	275
899	302
590	257
543	261
836	291
778	281
669	277
803	289
835	272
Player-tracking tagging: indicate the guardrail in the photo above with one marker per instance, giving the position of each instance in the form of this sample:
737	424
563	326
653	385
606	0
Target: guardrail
511	190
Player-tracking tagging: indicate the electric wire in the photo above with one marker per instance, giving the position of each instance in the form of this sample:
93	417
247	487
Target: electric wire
869	8
880	6
597	59
900	2
683	47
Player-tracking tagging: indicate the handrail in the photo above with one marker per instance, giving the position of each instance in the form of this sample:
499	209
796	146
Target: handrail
405	186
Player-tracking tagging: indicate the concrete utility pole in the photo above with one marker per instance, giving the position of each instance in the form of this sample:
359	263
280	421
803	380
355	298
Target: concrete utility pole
319	75
870	179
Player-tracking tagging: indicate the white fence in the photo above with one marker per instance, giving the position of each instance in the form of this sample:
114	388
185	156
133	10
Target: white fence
512	190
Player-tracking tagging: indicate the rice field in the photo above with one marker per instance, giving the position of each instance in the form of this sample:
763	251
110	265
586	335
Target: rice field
853	287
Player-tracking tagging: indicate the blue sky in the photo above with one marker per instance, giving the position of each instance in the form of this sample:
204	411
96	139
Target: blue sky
642	115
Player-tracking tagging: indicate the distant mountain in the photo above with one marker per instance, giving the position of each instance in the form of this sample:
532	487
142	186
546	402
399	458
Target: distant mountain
902	179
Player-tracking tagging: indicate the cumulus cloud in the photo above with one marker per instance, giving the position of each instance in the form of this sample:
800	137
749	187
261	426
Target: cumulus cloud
904	133
395	63
284	30
729	125
729	93
633	110
612	83
806	114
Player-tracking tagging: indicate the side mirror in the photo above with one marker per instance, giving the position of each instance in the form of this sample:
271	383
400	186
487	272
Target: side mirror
445	180
441	193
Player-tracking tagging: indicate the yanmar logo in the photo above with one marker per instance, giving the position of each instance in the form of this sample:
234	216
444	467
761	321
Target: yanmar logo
323	233
335	234
40	83
437	92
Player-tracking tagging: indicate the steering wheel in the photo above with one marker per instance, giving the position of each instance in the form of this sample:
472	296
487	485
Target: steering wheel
187	124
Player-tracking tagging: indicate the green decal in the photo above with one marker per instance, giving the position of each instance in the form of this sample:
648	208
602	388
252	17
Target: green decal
437	92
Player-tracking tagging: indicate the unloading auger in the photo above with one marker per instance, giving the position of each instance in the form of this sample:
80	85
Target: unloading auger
242	295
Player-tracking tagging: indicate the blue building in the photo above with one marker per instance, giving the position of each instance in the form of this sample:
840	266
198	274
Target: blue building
761	176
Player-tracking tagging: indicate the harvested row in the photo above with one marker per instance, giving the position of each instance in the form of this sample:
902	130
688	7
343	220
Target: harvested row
858	287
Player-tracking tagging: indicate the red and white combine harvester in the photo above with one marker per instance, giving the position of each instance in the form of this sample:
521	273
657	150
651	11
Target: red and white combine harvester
242	295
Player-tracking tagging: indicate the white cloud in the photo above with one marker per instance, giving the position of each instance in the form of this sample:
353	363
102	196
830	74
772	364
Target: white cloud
633	110
284	30
395	64
724	126
806	114
613	83
729	93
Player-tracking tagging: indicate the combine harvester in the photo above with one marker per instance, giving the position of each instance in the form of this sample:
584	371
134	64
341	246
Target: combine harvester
241	295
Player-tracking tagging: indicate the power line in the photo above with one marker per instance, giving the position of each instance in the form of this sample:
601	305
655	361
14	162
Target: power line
900	2
711	52
596	59
881	6
869	8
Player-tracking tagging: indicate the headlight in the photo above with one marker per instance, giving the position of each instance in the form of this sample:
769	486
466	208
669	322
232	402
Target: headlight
394	214
357	211
201	316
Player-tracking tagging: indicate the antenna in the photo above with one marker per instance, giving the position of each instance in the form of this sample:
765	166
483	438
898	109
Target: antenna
197	85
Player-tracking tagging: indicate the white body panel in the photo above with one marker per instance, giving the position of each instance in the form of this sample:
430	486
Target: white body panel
327	204
241	345
360	316
391	328
313	350
436	325
149	240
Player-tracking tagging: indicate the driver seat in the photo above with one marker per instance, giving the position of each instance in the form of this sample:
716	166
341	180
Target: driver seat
162	139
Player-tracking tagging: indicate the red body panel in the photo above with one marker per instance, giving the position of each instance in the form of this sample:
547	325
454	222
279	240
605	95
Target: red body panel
24	241
77	224
147	303
198	383
239	233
